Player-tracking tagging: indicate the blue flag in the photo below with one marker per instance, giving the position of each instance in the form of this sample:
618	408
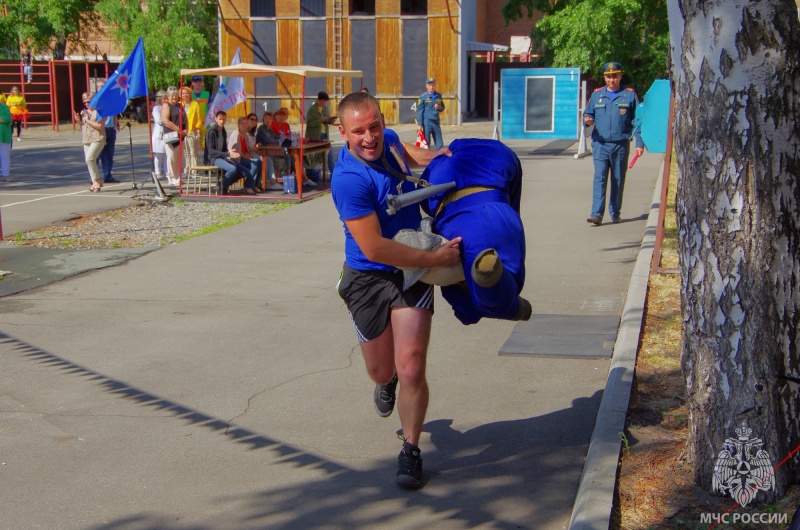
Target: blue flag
129	81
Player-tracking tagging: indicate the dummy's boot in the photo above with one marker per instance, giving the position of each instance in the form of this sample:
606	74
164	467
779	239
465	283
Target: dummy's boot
487	269
525	310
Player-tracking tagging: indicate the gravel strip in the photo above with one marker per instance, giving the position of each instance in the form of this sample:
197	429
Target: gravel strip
143	225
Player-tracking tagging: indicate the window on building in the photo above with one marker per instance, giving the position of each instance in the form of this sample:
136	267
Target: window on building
365	8
312	8
414	7
262	8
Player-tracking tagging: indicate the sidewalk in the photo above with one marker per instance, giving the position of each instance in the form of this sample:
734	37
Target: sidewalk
218	383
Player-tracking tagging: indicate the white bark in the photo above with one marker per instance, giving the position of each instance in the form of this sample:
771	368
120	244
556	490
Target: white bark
737	96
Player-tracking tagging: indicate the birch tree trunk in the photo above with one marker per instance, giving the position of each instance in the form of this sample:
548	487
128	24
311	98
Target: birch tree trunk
737	95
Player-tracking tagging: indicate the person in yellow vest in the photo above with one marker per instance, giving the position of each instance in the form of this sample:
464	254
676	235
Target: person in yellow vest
19	110
202	97
194	129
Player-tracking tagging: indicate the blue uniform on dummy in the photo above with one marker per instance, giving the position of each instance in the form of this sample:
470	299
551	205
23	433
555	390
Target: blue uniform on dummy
613	114
487	218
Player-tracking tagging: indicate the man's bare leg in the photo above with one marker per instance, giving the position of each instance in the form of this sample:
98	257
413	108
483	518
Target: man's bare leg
412	330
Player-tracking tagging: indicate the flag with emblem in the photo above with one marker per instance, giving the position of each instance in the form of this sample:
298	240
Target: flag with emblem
129	81
231	93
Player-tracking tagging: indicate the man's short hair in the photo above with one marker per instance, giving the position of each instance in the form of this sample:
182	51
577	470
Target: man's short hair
220	113
356	101
323	96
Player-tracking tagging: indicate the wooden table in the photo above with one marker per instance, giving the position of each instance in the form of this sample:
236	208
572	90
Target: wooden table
297	152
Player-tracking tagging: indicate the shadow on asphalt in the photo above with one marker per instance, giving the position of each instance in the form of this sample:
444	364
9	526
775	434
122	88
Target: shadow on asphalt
498	462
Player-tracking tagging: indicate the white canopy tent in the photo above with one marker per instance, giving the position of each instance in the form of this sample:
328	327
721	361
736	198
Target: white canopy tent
252	71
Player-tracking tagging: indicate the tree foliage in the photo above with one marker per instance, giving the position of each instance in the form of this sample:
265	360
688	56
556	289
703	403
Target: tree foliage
177	34
47	25
588	33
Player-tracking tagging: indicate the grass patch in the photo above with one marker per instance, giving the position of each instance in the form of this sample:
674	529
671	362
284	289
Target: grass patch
224	220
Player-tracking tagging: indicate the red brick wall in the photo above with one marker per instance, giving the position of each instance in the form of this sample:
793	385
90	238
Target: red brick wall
491	26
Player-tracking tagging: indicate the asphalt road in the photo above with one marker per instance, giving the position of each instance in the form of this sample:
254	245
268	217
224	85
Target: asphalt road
50	181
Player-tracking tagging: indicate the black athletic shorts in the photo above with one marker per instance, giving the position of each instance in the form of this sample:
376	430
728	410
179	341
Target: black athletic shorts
370	296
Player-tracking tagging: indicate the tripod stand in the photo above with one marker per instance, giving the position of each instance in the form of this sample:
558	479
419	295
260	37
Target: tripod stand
134	186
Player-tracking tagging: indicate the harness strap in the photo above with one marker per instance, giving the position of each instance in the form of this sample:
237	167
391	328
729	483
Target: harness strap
453	196
390	169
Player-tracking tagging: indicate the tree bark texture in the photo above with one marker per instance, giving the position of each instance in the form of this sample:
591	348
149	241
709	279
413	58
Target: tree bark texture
736	84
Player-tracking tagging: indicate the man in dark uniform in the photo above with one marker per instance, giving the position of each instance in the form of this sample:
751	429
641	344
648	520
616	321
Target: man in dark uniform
611	110
429	105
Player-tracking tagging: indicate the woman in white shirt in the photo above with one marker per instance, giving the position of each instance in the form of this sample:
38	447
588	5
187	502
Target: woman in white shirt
159	149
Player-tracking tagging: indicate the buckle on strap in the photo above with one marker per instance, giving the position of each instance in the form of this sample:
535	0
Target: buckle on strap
453	196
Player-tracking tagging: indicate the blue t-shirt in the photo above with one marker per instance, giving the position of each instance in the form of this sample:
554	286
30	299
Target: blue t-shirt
360	190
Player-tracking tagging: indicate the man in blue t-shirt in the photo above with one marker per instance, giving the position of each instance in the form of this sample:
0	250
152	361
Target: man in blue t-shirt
392	325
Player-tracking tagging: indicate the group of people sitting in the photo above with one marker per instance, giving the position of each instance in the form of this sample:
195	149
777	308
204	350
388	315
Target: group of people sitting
237	154
179	116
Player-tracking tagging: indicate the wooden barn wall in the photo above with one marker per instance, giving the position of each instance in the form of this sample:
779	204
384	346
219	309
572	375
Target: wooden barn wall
442	63
235	9
439	7
389	57
386	8
380	52
290	53
287	8
238	34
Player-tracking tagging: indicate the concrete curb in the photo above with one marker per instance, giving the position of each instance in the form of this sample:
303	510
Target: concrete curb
595	497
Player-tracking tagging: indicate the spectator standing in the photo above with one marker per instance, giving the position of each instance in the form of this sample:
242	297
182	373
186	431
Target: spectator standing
5	139
111	124
173	119
93	133
195	120
318	120
392	325
611	110
429	105
200	95
19	110
157	139
27	66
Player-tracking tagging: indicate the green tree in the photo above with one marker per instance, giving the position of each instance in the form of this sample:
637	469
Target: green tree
177	34
47	24
588	33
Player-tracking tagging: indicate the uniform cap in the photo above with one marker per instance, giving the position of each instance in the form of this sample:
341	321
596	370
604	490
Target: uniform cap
430	80
612	68
197	78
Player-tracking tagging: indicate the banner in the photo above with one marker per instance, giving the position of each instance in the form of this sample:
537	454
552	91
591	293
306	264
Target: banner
230	93
129	81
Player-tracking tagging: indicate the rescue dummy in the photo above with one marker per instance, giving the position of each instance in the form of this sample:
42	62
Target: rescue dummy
482	208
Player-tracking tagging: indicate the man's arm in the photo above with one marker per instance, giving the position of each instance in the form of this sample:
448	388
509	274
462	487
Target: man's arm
637	133
419	157
588	112
367	233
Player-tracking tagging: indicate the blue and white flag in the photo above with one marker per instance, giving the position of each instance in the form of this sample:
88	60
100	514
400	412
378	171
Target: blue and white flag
231	93
129	81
